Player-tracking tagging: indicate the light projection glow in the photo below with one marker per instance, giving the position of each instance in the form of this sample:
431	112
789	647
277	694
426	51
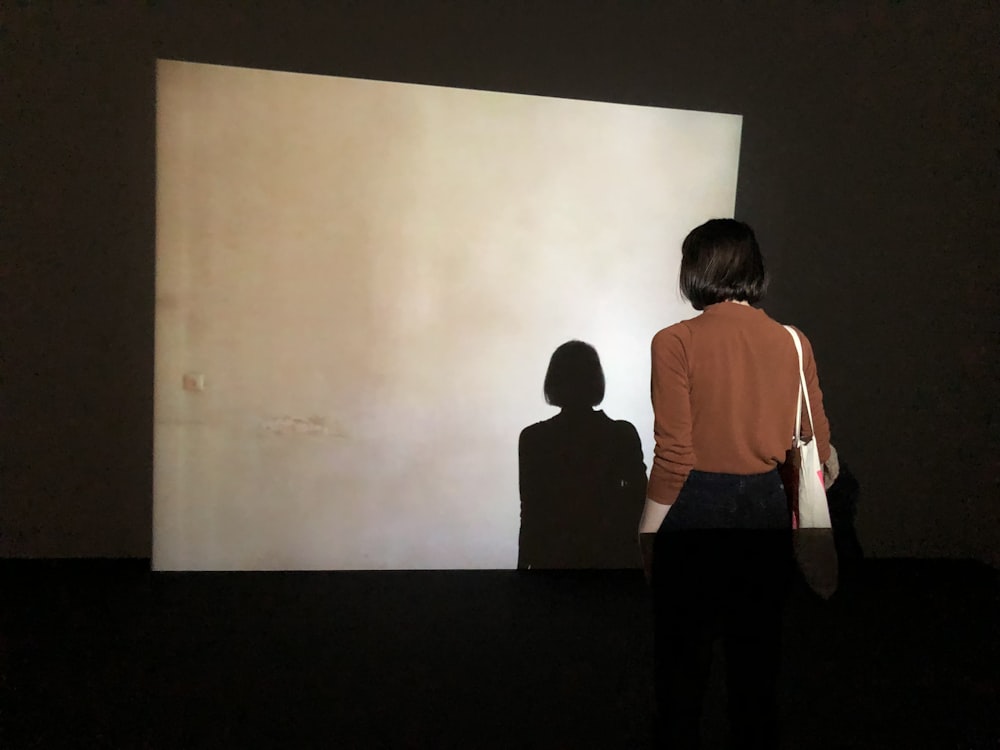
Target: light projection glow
359	285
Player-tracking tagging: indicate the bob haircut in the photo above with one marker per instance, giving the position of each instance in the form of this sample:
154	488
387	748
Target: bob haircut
721	261
575	377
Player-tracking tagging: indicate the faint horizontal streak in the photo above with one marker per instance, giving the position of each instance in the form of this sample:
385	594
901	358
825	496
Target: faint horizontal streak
297	426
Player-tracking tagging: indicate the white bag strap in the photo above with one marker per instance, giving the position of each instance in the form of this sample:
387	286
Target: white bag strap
803	390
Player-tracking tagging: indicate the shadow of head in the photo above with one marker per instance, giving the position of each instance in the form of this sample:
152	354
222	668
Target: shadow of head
575	378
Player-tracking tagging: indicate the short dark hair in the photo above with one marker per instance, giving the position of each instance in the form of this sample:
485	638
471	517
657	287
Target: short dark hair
575	376
720	261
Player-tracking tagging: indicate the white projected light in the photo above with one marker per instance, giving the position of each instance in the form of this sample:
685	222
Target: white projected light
359	286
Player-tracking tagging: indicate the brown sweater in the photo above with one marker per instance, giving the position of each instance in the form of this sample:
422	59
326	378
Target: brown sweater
724	386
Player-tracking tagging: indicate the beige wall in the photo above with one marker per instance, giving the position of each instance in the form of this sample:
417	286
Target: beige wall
371	278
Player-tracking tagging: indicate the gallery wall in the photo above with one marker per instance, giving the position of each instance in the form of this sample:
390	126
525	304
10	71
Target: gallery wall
869	167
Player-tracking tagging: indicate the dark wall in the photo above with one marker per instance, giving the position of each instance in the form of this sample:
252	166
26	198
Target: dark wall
869	168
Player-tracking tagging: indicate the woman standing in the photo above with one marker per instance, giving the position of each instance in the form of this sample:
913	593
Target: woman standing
715	531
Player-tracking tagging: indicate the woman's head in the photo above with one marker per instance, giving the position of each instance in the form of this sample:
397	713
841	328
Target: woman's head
721	261
575	378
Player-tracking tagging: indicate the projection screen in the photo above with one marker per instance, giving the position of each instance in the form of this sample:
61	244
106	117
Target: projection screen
359	285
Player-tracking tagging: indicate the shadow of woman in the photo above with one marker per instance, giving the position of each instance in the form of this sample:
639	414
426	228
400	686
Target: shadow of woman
582	477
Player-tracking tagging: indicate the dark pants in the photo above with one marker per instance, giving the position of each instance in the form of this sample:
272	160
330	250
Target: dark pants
721	566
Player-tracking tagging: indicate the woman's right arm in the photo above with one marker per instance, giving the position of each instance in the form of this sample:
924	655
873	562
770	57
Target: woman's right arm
673	456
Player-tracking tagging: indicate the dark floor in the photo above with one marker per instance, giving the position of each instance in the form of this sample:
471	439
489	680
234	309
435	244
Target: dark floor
106	654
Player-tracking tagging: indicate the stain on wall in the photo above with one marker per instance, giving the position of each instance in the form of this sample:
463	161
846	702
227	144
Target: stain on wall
298	426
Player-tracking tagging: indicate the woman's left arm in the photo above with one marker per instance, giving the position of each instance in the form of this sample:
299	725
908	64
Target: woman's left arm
821	426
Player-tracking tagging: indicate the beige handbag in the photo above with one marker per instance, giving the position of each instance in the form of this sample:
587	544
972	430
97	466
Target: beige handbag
812	534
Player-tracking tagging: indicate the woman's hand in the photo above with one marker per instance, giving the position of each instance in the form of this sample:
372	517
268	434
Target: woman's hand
646	551
831	469
653	514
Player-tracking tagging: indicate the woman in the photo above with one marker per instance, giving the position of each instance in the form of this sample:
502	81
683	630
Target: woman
724	388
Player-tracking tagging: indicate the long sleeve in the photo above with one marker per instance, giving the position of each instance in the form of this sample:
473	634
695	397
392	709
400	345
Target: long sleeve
723	388
673	456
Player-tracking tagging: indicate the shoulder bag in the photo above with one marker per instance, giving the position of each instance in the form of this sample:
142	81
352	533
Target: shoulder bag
812	533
